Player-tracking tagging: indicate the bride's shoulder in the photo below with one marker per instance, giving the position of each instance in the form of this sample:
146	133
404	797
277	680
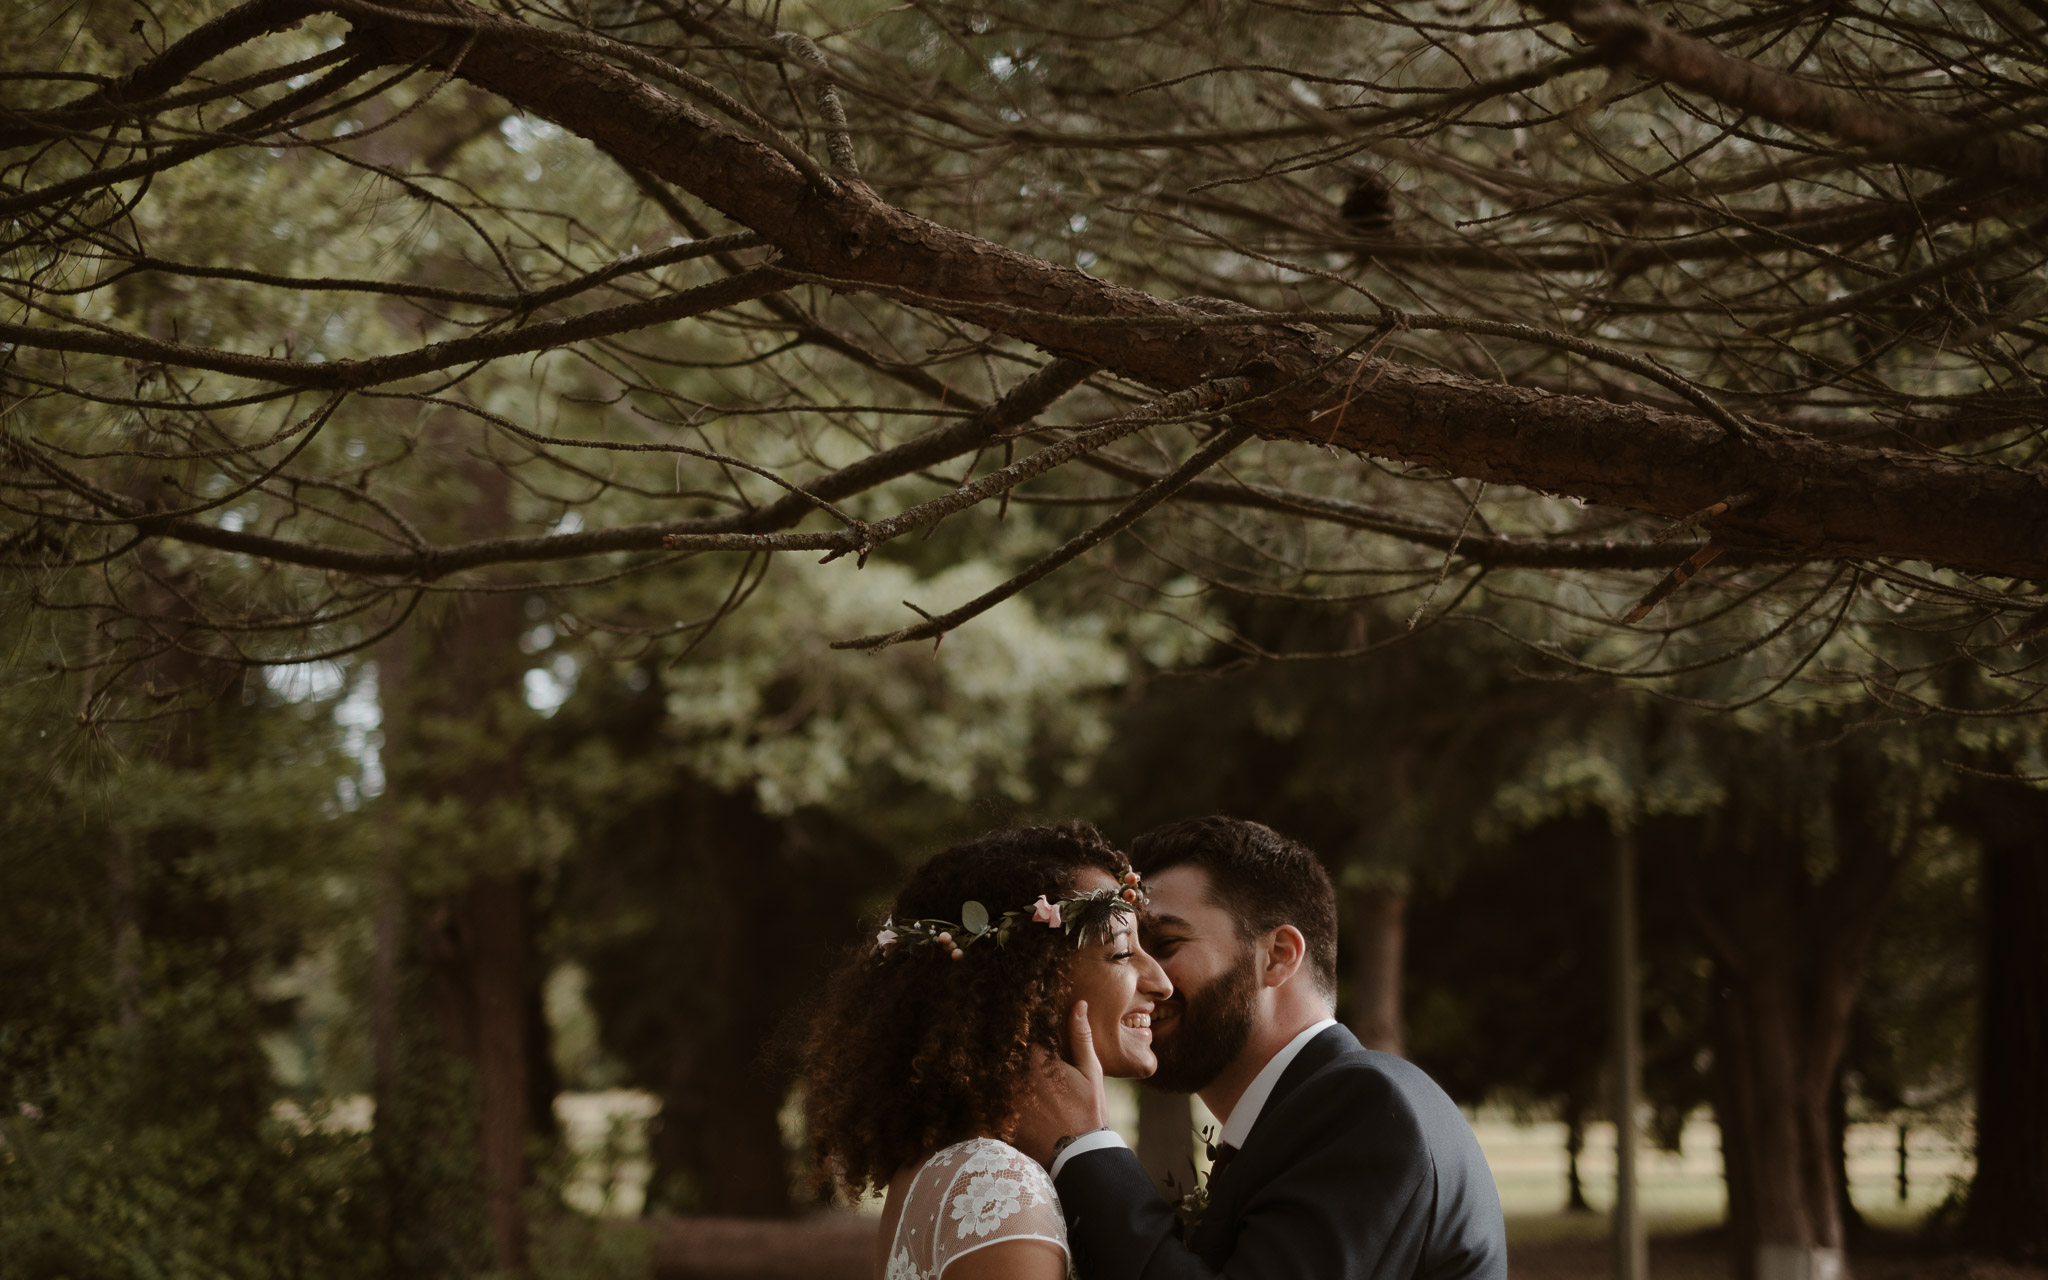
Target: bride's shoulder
967	1197
981	1167
984	1155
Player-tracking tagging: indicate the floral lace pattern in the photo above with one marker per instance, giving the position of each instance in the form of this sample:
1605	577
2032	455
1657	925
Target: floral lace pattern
969	1196
988	1199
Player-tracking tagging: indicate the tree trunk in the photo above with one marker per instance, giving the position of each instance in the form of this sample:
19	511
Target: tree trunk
1789	1220
387	963
720	1129
127	928
1574	1147
451	711
1736	1118
2008	1207
1630	1242
695	996
475	943
1838	1146
174	926
1789	950
498	981
1381	913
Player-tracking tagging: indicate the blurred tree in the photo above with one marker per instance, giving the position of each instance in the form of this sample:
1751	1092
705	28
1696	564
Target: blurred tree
176	884
720	921
1510	994
1790	877
465	844
2007	1211
1378	766
1784	837
1910	1054
742	801
453	732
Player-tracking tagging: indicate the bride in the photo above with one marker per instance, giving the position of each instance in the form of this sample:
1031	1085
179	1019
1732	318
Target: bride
927	1040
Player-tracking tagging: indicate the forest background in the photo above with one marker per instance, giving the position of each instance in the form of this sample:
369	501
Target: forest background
1484	442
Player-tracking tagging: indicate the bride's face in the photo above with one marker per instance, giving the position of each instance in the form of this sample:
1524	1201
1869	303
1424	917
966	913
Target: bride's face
1121	984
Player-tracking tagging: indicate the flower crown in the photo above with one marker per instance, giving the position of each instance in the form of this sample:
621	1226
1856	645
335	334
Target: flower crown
1077	915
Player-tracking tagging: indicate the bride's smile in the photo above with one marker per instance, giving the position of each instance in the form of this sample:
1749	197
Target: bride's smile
1123	986
997	955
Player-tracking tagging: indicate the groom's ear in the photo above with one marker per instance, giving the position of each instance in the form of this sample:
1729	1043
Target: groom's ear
1284	951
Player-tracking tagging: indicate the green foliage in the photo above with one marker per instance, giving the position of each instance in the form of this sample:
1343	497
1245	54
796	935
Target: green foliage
1508	978
179	882
130	1164
1912	1047
767	705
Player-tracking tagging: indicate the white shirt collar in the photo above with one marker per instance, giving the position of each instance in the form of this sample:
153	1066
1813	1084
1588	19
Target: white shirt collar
1246	1113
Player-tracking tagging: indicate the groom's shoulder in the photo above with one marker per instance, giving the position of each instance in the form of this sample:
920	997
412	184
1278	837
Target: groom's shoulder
1387	1105
1355	1068
1390	1094
1395	1074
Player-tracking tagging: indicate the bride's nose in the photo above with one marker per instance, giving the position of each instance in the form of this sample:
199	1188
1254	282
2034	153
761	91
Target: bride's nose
1152	979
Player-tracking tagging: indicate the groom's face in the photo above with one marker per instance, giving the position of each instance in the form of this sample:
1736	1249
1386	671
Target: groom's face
1209	1018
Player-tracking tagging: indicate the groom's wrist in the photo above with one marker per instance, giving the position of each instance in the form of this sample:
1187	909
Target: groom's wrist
1059	1148
1076	1144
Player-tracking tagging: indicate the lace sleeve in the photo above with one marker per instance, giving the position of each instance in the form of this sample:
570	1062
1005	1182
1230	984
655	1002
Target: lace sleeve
995	1193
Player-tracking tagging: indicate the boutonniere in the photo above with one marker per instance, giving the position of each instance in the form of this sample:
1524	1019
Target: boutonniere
1190	1205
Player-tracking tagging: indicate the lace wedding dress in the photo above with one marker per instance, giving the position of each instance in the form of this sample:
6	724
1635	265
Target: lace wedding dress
969	1196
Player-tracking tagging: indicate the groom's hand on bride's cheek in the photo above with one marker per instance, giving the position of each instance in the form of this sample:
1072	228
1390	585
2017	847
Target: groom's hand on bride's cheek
1062	1099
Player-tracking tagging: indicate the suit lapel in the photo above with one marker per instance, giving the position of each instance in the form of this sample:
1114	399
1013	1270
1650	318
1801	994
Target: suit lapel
1217	1226
1314	1056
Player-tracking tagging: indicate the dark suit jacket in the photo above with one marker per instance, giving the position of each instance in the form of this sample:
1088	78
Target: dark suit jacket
1359	1168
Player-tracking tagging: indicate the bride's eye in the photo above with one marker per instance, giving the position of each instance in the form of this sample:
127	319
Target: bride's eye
1121	955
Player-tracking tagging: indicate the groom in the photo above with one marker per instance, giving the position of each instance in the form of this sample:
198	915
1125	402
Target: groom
1335	1162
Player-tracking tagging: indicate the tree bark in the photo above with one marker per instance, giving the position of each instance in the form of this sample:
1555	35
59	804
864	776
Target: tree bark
1789	949
1574	1147
1631	36
449	727
720	1122
1838	1148
1630	1241
387	963
1380	913
499	982
2008	1206
1787	1220
1815	500
693	998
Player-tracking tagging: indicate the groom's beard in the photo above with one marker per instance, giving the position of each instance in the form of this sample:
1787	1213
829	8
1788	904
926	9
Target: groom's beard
1214	1026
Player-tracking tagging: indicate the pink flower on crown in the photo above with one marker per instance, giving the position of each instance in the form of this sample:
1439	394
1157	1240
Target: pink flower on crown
886	939
1045	913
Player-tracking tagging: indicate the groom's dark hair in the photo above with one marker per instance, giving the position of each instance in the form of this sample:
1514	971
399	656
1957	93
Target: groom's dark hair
1262	878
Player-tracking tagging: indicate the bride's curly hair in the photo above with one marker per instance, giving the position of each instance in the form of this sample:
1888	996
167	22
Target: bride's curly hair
914	1050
